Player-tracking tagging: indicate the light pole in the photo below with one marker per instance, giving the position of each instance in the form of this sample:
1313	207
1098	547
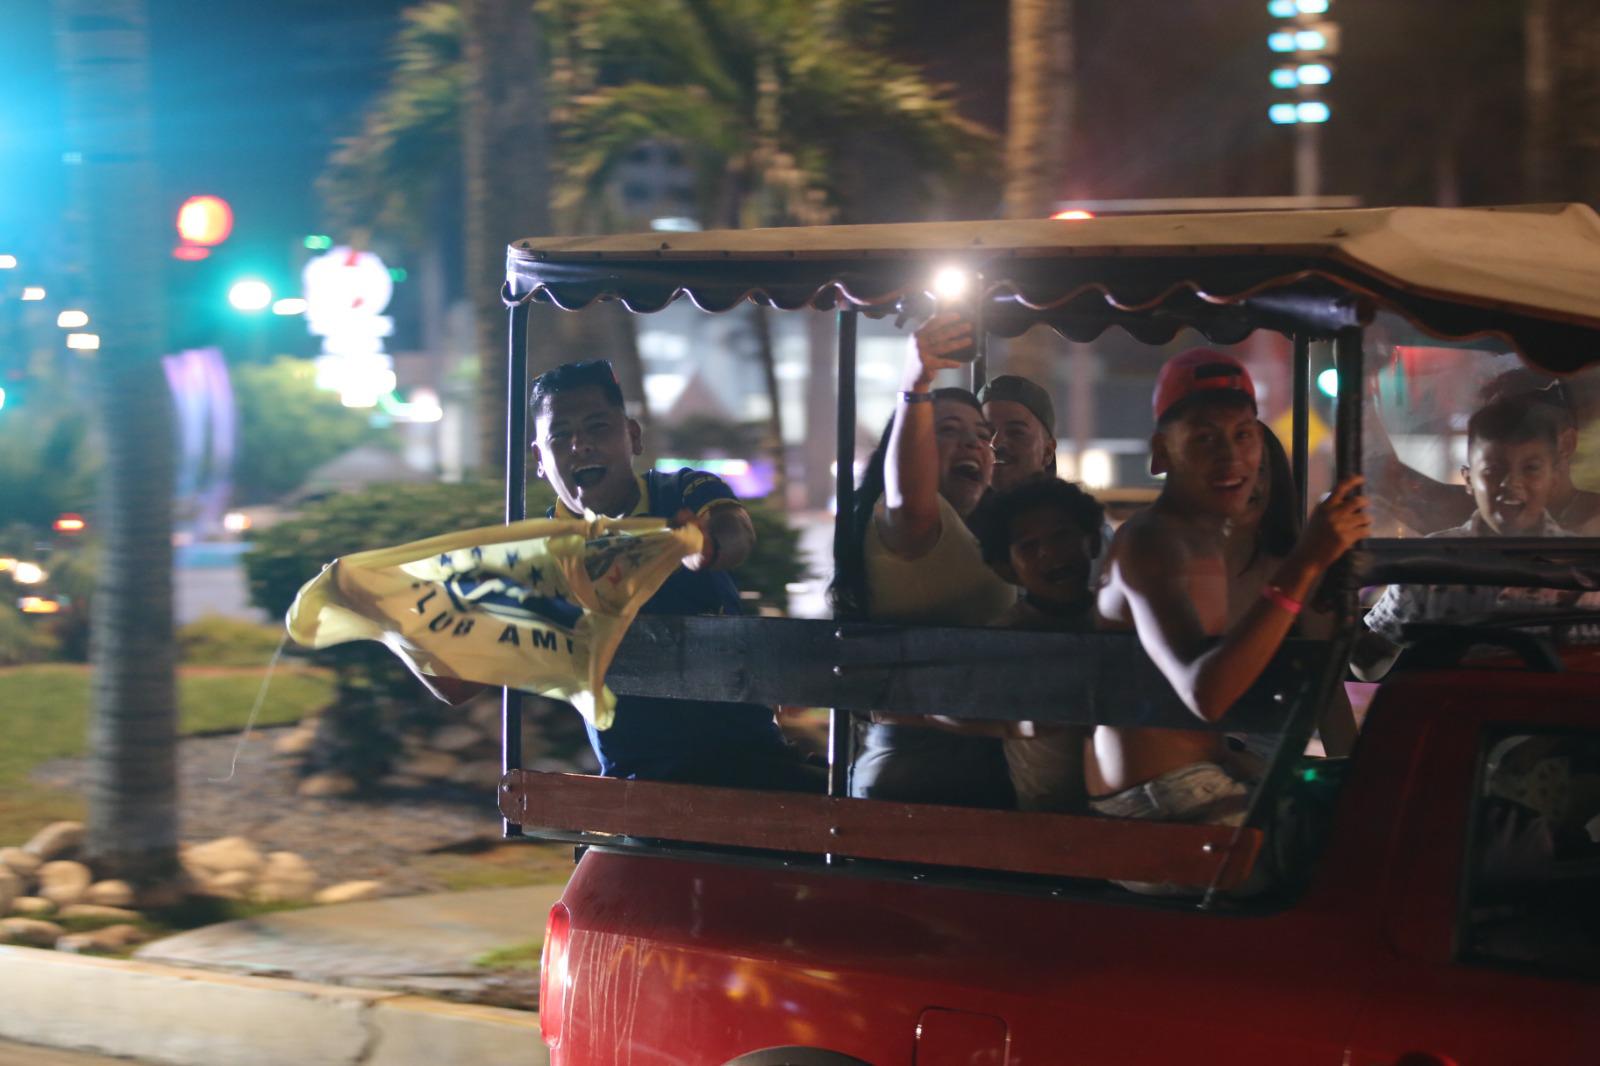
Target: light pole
1303	39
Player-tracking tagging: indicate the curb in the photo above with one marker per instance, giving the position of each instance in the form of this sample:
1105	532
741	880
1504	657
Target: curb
186	1017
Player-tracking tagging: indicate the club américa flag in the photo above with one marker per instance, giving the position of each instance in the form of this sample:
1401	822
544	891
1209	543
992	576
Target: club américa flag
539	605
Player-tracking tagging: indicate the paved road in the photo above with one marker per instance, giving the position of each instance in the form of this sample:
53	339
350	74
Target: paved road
29	1055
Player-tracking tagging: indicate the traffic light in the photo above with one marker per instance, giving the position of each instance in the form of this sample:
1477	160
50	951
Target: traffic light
203	223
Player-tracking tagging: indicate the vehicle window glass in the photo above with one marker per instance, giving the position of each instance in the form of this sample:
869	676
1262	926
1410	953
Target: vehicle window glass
1466	441
1533	877
1421	397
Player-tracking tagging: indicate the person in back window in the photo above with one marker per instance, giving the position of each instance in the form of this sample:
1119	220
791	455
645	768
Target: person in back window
1167	579
1513	456
1425	504
584	447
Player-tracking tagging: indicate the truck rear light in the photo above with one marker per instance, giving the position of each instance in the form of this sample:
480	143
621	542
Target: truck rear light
553	975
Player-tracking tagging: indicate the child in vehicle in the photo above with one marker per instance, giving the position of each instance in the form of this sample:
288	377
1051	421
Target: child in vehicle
1044	536
1512	459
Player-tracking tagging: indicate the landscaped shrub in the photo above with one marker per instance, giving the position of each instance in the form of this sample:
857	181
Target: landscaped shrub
24	639
218	641
775	563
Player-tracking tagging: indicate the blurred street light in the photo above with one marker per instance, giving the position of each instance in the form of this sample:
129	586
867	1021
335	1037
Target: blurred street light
33	292
72	319
83	342
8	262
26	573
69	523
250	294
38	605
292	305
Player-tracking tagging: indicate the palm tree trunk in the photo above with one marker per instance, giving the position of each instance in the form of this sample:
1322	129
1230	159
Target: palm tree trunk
762	327
1540	82
1038	121
133	809
505	139
1579	93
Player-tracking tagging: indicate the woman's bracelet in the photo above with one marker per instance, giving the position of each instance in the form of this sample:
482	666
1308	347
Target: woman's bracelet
912	396
1278	598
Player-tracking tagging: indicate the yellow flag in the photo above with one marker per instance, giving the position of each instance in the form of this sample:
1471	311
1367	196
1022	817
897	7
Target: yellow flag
539	605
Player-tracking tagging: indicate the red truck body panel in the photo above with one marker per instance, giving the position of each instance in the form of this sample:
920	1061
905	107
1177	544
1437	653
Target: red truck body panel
692	960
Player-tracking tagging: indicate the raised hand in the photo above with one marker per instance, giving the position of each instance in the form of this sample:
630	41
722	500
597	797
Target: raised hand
931	347
1336	524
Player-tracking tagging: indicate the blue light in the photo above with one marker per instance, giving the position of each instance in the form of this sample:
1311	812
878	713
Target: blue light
1315	74
1328	382
1310	40
1313	111
1312	7
1281	9
1282	114
1285	78
1281	42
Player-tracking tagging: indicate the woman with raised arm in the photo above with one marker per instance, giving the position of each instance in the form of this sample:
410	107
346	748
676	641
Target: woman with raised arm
912	558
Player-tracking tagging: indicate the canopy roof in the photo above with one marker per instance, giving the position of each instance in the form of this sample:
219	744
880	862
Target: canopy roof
1530	275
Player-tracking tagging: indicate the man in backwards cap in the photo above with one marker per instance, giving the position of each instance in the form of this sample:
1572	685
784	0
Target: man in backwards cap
1165	578
1024	423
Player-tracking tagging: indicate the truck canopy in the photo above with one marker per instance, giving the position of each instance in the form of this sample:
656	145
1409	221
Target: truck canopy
1523	274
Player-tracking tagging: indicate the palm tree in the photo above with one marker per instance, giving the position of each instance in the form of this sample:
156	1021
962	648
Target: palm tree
1037	124
133	819
505	146
771	101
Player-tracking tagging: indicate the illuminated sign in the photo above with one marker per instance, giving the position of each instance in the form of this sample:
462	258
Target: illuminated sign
346	292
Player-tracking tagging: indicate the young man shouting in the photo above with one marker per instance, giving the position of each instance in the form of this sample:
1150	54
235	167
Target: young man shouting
584	447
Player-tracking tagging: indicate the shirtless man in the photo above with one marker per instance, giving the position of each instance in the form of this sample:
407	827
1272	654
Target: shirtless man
1166	578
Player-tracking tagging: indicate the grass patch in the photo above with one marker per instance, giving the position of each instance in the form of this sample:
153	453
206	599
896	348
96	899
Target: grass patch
523	956
44	714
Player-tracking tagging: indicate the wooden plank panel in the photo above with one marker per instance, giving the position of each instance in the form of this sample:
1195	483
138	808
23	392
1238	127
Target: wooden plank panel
1087	678
1058	845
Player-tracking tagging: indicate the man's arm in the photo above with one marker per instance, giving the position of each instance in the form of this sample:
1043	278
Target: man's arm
730	537
708	502
1377	649
1209	675
1414	498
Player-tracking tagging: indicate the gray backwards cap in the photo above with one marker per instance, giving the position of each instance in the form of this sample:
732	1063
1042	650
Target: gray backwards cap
1010	387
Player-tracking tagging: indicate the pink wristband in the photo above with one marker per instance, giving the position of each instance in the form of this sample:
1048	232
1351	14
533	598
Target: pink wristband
1276	596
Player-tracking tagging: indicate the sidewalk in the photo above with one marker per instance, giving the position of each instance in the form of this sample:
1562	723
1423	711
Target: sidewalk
340	994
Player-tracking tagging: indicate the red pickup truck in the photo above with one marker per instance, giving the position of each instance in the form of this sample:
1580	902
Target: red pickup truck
1437	893
1402	946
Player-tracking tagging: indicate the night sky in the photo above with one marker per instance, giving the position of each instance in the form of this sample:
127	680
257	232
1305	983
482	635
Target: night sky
1172	98
249	99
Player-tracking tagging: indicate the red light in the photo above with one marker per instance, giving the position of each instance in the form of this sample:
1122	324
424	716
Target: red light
70	523
553	975
1072	216
190	253
205	220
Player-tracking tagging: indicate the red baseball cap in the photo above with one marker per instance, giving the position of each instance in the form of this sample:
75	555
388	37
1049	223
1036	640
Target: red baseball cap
1195	371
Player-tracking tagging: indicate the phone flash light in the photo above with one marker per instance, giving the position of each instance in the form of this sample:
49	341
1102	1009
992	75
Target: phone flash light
951	283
